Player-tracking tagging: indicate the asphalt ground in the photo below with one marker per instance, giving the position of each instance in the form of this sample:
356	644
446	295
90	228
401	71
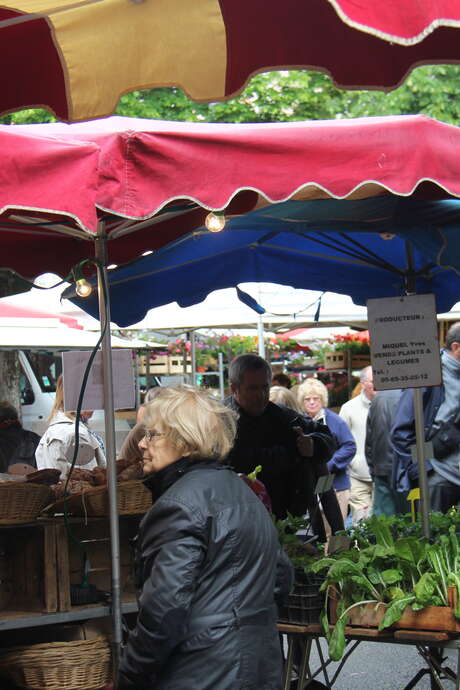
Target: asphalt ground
382	666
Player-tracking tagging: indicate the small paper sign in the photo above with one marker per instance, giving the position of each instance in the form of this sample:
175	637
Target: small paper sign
73	368
404	342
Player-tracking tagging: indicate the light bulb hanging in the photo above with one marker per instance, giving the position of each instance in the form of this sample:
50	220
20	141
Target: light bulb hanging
83	288
215	221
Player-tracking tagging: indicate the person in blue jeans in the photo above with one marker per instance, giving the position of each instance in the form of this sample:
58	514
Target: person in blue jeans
312	396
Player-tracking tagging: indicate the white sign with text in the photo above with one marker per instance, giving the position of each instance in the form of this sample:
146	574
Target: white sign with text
404	342
73	369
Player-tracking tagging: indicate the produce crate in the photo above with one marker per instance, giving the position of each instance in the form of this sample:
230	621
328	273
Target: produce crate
336	360
28	568
92	538
436	618
305	602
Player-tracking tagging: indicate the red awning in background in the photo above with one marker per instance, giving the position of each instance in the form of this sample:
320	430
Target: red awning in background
78	58
12	311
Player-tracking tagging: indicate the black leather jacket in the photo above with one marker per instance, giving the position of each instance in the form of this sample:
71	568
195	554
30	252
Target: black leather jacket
208	558
269	441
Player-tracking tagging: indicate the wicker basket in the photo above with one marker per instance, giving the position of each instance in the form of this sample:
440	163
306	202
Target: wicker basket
133	498
305	603
22	501
78	665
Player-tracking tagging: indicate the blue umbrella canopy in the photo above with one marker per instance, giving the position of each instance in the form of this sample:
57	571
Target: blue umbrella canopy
377	247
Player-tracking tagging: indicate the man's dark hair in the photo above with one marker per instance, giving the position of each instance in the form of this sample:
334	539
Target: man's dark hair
453	335
281	380
243	363
7	411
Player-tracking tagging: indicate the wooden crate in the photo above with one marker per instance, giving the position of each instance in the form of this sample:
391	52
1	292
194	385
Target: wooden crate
164	364
28	572
436	618
360	361
94	536
336	360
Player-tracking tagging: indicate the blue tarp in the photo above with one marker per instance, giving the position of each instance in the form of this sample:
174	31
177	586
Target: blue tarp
358	248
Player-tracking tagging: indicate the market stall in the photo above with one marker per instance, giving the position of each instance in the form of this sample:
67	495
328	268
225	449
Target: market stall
142	185
382	582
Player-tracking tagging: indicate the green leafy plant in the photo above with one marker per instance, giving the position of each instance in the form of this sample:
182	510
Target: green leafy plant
302	555
394	570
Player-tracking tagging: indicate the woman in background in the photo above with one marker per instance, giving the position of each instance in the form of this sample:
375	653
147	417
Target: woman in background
57	445
283	396
206	562
312	395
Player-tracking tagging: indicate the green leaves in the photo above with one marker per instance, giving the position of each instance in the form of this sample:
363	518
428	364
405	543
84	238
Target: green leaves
395	610
392	564
425	589
337	641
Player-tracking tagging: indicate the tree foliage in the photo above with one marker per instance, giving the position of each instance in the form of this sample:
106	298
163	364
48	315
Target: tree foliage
294	95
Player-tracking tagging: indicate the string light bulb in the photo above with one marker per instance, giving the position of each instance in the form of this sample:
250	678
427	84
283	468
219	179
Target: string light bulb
215	221
83	288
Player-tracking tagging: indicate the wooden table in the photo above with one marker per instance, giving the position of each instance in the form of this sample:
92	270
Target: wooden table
426	643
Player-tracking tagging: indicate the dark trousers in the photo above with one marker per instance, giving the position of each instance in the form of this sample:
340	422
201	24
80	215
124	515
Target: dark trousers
443	493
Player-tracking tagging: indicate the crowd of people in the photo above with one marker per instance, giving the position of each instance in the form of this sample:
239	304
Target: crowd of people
209	567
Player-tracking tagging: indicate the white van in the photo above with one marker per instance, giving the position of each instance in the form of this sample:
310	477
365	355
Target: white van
39	372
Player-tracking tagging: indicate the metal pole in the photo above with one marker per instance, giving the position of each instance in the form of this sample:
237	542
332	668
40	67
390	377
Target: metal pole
418	412
420	446
193	356
260	333
109	414
220	357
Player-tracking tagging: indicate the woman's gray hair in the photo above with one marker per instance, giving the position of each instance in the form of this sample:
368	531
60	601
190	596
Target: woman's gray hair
192	421
243	363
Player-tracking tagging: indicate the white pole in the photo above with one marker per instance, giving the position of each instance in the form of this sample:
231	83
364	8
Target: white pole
221	374
260	333
193	356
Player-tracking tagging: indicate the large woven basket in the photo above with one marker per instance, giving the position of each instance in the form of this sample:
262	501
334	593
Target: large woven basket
77	665
22	501
133	498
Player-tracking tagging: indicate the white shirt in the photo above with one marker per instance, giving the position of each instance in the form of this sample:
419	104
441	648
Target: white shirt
355	412
57	446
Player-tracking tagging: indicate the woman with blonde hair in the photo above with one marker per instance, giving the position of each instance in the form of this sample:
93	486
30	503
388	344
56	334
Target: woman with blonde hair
206	559
283	396
57	446
312	396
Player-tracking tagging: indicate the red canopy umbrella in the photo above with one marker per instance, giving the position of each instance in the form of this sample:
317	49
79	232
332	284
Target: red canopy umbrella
77	58
143	183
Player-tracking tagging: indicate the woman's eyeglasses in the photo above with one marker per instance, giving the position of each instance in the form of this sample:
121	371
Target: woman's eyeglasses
150	435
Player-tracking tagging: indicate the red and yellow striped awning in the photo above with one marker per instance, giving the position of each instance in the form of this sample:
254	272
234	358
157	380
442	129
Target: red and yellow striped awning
76	57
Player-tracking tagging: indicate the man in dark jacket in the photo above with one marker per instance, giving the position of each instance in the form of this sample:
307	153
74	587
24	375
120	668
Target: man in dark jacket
380	454
441	409
17	445
291	450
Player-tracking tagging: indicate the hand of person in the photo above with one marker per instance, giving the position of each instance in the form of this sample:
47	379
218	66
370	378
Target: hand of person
304	443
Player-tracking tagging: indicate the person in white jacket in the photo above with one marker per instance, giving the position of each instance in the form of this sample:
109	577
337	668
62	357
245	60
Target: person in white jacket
57	445
355	412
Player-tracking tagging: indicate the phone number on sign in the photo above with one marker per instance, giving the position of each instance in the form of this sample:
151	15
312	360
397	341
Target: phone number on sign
403	378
